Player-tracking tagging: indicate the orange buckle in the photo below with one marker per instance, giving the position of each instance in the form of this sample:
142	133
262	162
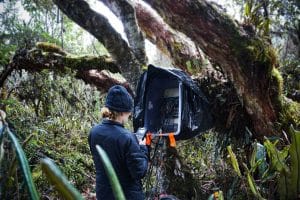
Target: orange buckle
148	139
172	140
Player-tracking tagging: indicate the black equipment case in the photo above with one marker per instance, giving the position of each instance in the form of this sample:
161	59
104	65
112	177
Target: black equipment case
169	101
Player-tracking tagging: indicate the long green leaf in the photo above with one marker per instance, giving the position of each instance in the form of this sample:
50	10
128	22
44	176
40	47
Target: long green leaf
59	180
113	179
284	186
252	184
253	155
247	9
234	161
294	188
24	166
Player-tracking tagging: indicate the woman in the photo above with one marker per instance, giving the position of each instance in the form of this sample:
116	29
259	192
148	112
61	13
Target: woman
128	156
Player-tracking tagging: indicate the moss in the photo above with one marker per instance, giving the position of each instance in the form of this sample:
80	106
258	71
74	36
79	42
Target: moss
76	62
290	114
193	66
262	55
50	47
189	66
177	45
254	55
278	80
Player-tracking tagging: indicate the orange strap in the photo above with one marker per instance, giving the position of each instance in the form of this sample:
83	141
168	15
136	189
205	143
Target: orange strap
172	140
148	139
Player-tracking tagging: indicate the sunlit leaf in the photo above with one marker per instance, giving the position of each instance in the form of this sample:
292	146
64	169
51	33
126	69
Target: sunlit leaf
59	180
234	161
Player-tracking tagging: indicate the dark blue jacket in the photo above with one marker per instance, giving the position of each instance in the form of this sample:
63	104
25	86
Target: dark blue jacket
128	158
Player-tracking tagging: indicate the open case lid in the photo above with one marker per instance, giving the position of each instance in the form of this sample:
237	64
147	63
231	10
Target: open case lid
163	105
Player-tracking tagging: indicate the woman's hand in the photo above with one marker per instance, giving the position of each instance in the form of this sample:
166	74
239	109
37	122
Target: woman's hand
140	134
142	141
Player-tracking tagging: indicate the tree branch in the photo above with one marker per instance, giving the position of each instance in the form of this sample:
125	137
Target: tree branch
88	68
101	79
125	11
37	60
80	12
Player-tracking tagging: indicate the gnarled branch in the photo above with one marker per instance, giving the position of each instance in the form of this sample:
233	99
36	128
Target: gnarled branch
90	69
80	12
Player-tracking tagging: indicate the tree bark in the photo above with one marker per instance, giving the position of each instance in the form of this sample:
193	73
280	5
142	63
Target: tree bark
177	46
126	12
246	60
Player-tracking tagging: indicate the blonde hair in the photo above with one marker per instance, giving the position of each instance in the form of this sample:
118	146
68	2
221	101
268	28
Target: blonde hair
106	113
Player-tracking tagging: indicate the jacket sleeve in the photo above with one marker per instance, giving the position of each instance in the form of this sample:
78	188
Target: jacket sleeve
136	158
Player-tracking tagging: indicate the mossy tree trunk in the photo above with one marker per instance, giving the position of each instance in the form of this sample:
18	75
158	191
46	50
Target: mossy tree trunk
247	60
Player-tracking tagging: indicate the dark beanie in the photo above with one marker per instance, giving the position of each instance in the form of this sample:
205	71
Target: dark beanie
118	99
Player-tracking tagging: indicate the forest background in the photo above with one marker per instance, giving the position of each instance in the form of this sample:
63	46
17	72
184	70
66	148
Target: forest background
51	110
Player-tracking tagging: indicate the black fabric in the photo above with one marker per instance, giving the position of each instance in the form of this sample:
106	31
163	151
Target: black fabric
195	112
129	159
118	99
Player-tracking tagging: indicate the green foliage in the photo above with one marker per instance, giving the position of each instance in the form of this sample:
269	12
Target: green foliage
49	47
278	158
253	15
210	167
254	163
23	164
283	167
6	52
58	112
194	66
290	71
277	21
55	112
58	179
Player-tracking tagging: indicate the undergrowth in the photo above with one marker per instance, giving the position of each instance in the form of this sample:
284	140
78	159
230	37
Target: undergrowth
56	121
